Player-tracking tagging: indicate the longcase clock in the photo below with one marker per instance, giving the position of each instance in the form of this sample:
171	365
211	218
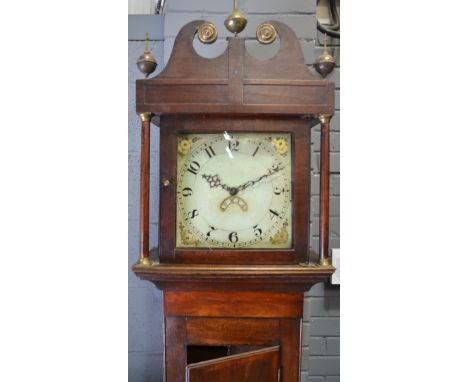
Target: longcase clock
234	255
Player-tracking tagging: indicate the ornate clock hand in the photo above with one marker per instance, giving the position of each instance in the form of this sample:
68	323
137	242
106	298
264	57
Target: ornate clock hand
215	181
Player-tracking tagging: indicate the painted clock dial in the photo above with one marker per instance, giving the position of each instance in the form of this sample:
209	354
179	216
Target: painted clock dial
234	190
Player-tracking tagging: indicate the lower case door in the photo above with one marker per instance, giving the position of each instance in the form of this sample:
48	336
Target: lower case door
254	366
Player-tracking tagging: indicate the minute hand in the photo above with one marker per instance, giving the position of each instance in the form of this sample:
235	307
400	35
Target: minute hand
252	182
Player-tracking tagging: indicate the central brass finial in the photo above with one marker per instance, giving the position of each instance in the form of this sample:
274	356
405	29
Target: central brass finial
236	21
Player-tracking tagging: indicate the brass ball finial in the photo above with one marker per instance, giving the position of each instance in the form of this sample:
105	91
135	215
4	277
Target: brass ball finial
146	63
325	63
236	21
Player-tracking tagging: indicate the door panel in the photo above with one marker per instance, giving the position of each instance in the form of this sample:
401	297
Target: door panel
254	366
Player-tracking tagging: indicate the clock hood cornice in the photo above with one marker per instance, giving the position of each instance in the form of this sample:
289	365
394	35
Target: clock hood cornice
235	83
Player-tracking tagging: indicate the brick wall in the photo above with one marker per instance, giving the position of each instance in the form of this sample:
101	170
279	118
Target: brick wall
145	322
320	352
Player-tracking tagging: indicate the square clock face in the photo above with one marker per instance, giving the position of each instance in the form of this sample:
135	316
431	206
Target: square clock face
234	191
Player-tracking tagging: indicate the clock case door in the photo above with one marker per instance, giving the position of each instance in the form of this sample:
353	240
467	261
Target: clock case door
254	366
171	126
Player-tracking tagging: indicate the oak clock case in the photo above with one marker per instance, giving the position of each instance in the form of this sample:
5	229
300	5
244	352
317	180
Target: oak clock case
233	260
234	190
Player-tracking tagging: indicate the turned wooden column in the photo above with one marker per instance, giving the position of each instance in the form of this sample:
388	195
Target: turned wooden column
144	188
324	188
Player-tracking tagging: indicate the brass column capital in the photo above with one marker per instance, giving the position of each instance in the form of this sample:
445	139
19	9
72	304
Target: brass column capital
146	117
325	118
144	261
325	262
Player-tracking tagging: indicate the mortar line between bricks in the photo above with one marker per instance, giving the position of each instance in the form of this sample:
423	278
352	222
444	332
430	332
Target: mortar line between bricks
247	14
318	172
139	287
134	220
138	152
144	352
144	40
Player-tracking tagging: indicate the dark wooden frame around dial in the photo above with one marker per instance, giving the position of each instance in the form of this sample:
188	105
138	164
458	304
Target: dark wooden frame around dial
299	129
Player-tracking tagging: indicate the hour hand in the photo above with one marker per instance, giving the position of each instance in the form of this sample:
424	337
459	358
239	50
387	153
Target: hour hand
215	181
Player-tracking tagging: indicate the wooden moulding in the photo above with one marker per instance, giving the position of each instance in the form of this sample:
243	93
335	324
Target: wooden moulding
235	82
183	277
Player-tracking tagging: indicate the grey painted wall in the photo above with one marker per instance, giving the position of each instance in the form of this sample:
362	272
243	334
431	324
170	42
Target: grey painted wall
320	351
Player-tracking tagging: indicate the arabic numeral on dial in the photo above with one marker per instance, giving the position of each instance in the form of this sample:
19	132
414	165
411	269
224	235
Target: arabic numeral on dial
233	145
194	167
233	237
278	191
256	149
208	234
257	231
187	191
274	169
192	214
274	214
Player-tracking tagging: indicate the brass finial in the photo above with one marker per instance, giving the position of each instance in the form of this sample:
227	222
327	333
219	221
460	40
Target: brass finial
325	63
236	21
146	62
266	33
207	33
